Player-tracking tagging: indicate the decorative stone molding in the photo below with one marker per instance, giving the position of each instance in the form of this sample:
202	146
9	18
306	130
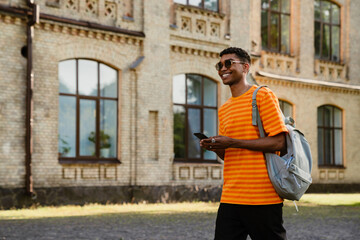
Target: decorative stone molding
331	174
72	5
193	51
193	22
183	172
92	8
330	71
278	63
118	13
12	20
74	173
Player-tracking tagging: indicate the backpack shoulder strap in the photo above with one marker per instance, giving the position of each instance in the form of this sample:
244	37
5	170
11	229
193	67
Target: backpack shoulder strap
256	120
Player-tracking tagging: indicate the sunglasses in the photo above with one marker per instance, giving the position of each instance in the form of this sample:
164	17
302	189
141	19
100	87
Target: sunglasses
227	64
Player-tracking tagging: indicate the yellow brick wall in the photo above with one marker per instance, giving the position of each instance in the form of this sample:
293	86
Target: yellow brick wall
146	92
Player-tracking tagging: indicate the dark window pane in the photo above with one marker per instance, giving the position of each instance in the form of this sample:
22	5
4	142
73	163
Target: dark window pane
210	93
88	78
193	127
335	43
193	89
196	3
320	116
264	29
275	5
67	76
67	126
285	33
286	108
179	89
335	17
87	127
328	116
325	11
108	81
320	146
274	32
328	146
338	147
285	6
210	123
317	38
211	5
108	128
337	117
179	131
326	42
317	10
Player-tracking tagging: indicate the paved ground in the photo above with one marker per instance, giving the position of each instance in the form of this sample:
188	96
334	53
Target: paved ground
331	223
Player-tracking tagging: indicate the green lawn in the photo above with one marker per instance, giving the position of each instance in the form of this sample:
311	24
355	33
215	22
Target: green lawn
308	200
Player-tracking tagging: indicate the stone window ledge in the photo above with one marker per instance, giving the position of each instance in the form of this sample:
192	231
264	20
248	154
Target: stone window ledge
275	62
331	71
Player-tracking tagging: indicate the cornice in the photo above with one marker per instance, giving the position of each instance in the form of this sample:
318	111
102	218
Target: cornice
88	33
267	78
193	51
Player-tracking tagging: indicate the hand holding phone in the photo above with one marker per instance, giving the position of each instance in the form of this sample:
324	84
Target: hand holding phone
200	136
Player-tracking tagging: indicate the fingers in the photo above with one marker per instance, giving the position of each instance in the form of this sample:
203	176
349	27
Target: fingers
211	143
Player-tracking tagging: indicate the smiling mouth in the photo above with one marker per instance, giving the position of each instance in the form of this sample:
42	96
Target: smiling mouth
225	75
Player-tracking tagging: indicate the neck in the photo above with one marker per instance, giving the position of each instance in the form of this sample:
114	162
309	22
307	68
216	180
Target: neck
239	88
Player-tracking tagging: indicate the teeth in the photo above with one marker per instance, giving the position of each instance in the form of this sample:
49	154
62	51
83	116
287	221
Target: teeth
226	74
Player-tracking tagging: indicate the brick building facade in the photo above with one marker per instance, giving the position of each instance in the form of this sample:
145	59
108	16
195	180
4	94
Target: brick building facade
307	51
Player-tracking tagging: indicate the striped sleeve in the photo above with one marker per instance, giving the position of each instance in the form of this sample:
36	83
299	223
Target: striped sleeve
270	113
221	129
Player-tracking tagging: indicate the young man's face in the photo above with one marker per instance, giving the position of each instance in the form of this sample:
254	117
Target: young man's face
235	73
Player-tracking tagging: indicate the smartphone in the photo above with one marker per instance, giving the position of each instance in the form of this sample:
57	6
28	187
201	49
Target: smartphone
200	136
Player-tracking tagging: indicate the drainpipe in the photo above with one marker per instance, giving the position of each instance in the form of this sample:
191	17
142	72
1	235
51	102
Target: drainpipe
32	20
134	164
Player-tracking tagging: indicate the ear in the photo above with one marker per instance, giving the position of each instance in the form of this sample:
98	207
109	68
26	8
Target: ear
246	68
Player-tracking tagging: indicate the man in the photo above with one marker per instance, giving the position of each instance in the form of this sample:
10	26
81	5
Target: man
249	204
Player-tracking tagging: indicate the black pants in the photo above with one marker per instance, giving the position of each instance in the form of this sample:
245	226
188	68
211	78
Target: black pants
260	222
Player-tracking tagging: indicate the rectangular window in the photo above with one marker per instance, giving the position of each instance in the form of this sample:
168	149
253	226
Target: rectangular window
275	25
195	110
327	30
330	136
88	112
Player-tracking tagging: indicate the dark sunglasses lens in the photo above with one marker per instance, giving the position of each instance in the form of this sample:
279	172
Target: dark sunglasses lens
218	66
228	63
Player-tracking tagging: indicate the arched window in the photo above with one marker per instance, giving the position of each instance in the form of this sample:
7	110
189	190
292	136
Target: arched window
212	5
275	25
88	100
195	110
330	136
327	30
286	108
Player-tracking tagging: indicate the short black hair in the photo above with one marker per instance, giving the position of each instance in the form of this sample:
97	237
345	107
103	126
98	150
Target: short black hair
240	53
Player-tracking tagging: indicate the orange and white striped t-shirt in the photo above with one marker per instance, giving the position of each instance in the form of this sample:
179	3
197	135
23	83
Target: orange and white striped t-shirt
246	180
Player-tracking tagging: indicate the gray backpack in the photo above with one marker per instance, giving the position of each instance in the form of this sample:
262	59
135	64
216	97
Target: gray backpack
289	174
